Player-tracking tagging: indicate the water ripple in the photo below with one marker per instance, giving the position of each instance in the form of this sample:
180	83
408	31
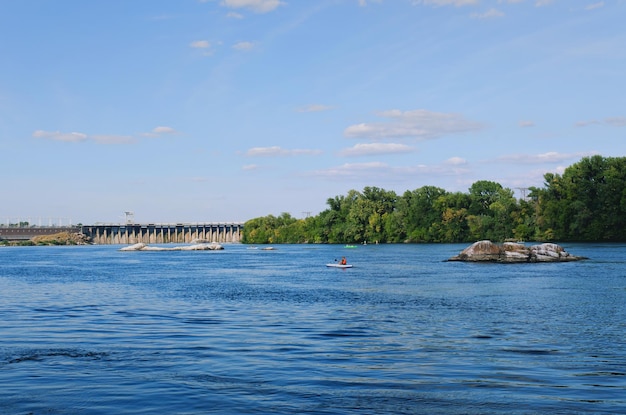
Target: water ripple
88	331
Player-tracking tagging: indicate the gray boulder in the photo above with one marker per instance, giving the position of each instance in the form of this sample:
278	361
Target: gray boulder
512	252
196	247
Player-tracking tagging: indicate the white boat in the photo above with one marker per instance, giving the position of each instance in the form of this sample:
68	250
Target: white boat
336	265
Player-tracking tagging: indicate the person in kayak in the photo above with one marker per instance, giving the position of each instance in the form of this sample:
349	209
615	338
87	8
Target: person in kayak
343	261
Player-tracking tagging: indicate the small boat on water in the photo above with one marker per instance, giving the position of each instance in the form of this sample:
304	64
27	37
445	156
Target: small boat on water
350	246
337	265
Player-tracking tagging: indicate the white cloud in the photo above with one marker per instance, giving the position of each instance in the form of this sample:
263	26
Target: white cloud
489	14
200	44
612	121
250	167
243	46
376	149
376	171
456	161
595	6
164	130
541	3
416	124
526	124
276	151
586	123
158	131
616	121
352	170
204	45
257	6
234	15
379	131
59	136
549	157
100	138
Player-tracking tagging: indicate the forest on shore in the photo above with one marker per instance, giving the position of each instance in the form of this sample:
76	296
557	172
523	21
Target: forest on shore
587	203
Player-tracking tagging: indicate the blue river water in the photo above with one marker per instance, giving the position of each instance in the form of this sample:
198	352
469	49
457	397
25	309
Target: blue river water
93	330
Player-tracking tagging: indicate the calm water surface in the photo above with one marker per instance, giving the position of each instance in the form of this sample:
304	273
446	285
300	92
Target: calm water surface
92	330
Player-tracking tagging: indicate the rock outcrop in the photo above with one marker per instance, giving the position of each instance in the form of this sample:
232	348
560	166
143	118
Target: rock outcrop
511	252
61	238
196	247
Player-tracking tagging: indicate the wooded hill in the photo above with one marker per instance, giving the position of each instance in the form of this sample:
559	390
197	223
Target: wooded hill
587	203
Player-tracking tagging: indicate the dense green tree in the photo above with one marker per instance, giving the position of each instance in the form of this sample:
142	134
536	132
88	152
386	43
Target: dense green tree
586	203
271	229
483	194
378	205
419	212
490	211
339	230
523	221
453	225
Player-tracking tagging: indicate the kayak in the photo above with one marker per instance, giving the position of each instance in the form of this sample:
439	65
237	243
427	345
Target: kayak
339	265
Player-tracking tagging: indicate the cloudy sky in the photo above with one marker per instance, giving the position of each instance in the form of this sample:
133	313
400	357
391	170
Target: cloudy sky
226	110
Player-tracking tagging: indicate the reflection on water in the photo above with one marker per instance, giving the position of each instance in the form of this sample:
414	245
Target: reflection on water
91	330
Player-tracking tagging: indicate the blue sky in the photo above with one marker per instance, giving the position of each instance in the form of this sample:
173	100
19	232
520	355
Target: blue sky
226	110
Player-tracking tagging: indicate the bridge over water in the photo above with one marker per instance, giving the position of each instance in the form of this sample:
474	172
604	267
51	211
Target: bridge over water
24	233
131	233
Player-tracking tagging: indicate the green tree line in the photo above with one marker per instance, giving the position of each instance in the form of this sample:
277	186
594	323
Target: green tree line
586	203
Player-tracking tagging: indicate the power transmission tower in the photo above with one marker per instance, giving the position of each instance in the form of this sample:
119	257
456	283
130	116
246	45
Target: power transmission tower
130	217
523	191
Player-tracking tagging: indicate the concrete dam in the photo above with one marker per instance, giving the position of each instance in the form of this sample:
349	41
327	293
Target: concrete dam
163	233
132	233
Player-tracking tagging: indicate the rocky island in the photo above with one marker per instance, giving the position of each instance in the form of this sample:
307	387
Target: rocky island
514	252
196	247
